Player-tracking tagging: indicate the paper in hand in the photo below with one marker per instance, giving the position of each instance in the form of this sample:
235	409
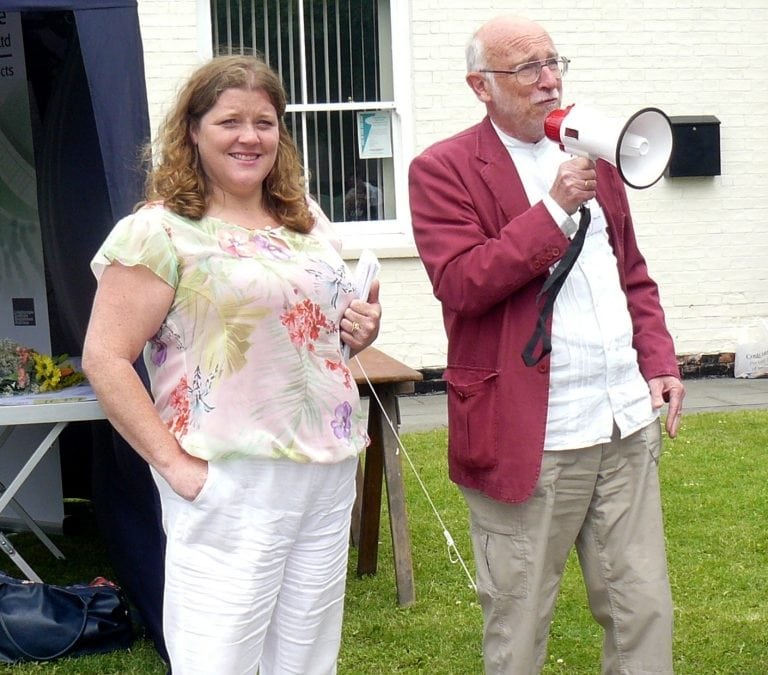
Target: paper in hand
366	270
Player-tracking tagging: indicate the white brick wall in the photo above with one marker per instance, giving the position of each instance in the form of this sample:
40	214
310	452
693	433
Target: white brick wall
169	32
706	239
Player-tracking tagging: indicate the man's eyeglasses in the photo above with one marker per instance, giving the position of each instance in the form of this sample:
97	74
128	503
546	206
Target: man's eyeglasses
528	73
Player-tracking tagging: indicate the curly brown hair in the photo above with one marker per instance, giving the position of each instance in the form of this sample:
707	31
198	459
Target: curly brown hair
177	177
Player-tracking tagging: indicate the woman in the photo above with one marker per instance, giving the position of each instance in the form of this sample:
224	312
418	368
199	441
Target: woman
228	281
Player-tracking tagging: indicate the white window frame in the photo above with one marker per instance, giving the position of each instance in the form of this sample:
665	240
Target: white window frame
389	237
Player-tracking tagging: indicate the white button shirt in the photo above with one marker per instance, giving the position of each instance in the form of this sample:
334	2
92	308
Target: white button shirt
595	380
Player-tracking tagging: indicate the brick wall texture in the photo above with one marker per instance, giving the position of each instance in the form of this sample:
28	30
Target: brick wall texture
705	238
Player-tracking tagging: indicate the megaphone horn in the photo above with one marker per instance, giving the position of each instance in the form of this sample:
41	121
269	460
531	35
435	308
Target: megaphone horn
639	148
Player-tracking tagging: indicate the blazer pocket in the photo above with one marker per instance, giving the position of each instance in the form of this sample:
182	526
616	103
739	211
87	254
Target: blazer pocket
473	415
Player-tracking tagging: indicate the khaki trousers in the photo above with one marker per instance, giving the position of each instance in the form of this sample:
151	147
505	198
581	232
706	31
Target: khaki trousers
606	501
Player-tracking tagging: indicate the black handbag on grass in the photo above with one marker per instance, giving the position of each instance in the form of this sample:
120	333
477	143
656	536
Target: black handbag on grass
41	622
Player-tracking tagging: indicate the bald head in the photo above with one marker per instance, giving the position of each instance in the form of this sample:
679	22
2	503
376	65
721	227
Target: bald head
501	36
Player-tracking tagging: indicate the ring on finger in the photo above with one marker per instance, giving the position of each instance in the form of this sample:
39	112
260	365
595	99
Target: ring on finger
355	327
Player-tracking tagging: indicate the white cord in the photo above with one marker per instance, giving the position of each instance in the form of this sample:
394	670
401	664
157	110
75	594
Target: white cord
453	553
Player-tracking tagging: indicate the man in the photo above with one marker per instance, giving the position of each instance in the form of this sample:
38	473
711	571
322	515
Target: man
563	451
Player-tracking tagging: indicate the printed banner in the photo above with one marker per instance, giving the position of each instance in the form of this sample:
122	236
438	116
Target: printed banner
23	304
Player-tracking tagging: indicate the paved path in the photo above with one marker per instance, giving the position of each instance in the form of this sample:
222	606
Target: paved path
428	411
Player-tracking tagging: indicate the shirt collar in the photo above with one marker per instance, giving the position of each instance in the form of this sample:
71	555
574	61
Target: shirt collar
515	144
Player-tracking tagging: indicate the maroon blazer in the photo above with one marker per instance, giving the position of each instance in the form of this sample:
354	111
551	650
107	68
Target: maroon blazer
487	252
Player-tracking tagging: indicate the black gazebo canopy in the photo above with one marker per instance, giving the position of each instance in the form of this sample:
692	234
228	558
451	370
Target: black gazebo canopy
88	107
88	101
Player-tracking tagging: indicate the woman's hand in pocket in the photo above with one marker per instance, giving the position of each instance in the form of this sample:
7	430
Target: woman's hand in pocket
186	475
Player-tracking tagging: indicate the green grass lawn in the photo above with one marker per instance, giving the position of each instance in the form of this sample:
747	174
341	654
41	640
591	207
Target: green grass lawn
715	482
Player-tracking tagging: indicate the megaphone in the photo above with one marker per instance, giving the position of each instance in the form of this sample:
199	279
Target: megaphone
639	148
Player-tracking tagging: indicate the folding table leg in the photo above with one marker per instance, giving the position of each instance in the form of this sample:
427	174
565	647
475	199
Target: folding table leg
33	526
7	497
15	556
30	464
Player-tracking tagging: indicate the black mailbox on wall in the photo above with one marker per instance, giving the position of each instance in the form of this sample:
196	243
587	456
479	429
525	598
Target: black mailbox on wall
696	146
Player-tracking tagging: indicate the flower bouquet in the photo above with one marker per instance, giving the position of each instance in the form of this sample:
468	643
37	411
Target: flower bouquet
24	370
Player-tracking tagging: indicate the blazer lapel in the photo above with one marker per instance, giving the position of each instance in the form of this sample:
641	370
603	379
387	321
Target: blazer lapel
499	172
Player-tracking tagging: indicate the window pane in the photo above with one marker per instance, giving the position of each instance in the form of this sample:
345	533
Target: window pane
342	66
342	46
341	42
347	188
266	27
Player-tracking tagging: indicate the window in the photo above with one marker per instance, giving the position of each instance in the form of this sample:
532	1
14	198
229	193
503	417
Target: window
336	61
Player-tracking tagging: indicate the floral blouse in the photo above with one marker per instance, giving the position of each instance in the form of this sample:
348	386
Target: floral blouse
248	360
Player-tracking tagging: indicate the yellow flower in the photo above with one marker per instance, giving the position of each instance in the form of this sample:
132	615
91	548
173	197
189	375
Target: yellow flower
47	373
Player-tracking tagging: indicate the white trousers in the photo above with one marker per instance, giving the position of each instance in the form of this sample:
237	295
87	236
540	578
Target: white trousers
255	568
